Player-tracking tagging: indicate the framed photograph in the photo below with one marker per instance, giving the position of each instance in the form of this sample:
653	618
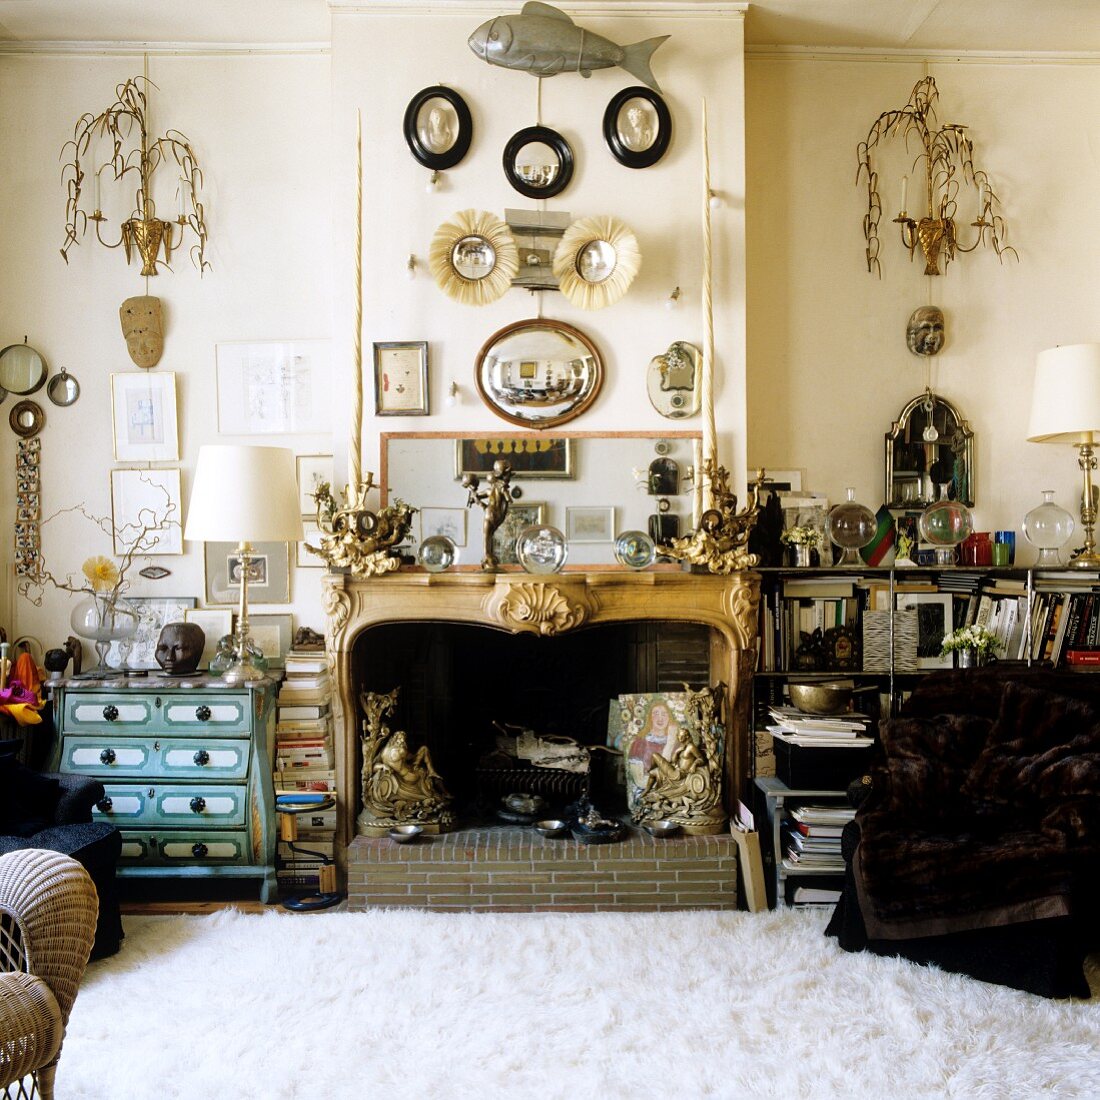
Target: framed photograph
274	386
313	472
216	623
401	378
637	127
590	524
304	558
154	613
273	634
143	415
147	500
934	620
438	127
519	516
531	456
444	521
268	581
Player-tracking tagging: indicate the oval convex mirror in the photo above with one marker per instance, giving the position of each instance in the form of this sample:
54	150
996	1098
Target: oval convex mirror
26	418
22	369
63	389
538	373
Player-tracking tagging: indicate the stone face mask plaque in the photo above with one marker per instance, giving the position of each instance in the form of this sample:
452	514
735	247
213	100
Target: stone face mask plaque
143	327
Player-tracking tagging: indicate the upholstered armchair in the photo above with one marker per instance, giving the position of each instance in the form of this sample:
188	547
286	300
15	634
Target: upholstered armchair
48	910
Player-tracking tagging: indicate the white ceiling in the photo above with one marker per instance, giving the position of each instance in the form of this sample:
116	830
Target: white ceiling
998	26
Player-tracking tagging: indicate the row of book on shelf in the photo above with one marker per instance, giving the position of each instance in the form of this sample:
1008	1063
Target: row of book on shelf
1059	622
305	769
810	837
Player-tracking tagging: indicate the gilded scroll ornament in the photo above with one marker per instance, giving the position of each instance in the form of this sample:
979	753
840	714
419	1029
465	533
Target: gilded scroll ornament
687	788
399	786
540	609
357	539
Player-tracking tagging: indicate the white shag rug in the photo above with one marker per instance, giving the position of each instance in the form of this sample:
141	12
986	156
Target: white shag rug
421	1006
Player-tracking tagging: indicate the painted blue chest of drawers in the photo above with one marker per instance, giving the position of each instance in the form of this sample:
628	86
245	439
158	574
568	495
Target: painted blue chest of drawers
187	769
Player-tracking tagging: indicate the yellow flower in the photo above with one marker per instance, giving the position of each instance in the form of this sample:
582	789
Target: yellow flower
102	573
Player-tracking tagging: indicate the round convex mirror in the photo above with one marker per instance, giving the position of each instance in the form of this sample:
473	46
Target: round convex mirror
22	369
538	162
474	257
596	261
63	389
26	419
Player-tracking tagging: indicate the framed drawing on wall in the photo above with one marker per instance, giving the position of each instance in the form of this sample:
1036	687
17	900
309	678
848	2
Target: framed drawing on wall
401	378
273	634
279	386
146	501
934	620
143	415
304	557
444	521
590	524
216	623
519	516
313	472
268	580
154	613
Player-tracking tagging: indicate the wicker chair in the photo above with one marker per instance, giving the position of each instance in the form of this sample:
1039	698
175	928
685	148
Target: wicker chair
48	909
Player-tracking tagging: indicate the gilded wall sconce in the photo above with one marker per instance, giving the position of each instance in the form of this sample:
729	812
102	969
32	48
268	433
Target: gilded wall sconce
132	156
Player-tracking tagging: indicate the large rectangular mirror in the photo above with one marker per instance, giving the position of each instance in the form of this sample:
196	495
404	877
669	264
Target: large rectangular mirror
591	486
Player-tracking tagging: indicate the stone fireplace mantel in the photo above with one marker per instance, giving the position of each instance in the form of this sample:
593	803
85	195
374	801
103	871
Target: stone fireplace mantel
544	605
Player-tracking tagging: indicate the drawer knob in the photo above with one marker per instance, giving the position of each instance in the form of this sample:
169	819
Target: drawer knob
198	804
202	713
104	804
107	756
110	712
199	850
202	757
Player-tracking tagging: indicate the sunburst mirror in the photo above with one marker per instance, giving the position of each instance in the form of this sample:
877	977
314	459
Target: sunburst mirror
473	257
596	261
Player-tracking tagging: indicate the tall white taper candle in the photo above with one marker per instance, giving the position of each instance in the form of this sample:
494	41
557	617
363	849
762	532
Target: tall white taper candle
710	440
355	444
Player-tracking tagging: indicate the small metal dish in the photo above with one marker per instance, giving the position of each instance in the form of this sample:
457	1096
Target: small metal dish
552	827
405	834
661	828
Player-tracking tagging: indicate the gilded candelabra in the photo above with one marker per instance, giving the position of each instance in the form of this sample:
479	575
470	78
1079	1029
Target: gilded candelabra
720	542
946	157
125	123
357	539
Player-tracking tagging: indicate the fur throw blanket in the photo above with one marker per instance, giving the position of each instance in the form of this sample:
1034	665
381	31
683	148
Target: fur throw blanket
985	805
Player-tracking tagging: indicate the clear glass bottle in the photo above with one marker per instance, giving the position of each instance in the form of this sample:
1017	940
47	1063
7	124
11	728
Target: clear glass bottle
851	526
1048	527
945	524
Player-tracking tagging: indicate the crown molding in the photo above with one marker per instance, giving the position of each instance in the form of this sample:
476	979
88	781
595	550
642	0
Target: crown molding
669	9
177	49
908	56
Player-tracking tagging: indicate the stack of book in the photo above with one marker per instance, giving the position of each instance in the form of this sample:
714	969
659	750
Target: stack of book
305	776
811	839
795	727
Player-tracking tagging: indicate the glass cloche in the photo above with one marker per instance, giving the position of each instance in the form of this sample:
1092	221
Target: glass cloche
1048	527
945	524
851	526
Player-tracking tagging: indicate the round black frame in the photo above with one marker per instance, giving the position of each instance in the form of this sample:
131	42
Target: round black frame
562	150
642	158
449	157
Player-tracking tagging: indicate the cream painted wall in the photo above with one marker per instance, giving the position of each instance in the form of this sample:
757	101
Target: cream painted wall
260	126
828	365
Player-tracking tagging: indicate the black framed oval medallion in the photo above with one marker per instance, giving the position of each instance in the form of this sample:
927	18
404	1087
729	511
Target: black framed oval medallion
538	162
438	127
637	127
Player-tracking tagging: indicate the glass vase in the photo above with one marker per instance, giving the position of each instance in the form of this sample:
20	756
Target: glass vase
851	526
945	524
103	618
1048	527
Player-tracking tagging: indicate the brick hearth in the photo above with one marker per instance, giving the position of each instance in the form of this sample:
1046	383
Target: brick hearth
514	869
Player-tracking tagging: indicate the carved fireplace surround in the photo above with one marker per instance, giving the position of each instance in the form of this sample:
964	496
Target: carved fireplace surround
544	605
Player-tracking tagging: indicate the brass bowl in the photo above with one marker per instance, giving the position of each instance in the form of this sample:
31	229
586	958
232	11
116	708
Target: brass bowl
405	834
820	698
552	827
661	828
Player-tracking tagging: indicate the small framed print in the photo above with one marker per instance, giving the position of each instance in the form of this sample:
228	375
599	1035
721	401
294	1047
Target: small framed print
154	614
590	524
273	634
145	507
216	623
143	413
444	521
313	472
934	621
530	456
268	580
401	378
304	557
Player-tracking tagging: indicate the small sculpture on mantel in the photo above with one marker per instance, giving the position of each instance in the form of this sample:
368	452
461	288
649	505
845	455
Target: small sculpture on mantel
357	539
399	787
687	788
496	499
720	542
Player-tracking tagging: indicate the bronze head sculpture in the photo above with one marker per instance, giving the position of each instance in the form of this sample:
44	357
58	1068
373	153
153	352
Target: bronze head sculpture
180	647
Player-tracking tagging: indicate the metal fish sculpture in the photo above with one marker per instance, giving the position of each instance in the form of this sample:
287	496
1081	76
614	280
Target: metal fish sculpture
544	42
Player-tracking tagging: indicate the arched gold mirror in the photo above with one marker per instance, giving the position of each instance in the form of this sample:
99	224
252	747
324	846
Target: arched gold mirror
928	446
538	373
26	418
22	369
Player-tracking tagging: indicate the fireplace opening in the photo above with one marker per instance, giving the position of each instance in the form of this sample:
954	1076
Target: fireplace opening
461	683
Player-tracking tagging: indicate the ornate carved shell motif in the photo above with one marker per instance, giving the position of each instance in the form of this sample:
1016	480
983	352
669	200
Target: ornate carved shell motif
541	609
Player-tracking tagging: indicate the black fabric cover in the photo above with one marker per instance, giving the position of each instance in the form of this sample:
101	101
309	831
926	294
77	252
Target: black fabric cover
28	799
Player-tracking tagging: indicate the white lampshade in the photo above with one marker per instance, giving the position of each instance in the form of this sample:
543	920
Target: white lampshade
244	494
1065	403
